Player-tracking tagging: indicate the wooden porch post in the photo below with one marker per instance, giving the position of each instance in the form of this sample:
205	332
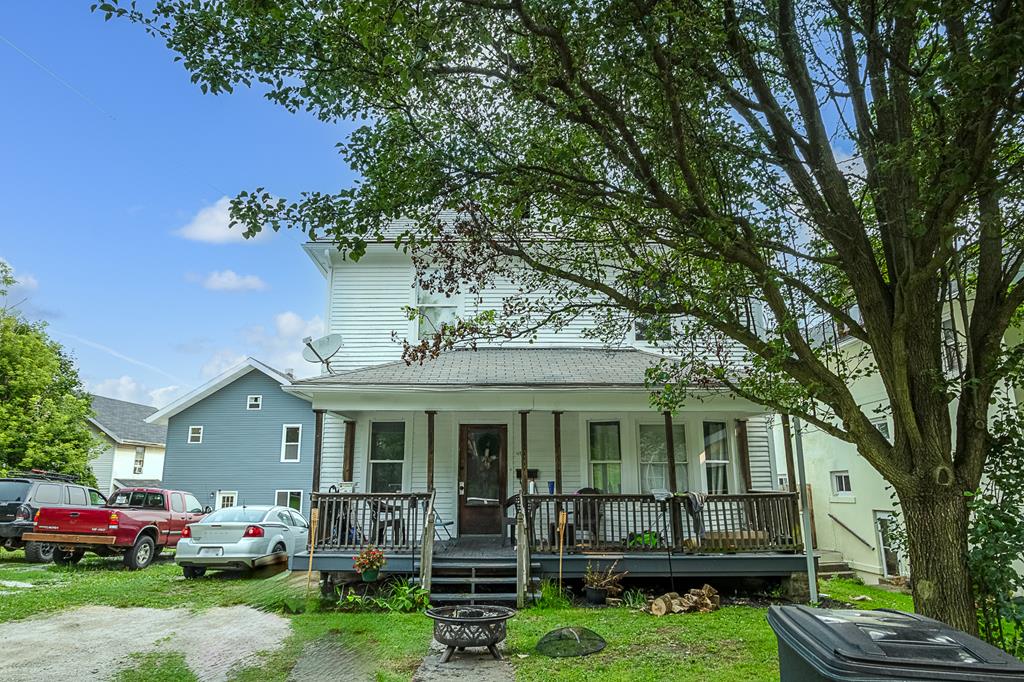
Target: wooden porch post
348	468
670	447
430	450
744	448
523	474
318	448
787	438
558	452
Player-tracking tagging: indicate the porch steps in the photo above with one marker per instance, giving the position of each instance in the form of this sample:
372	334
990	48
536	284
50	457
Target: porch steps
477	581
835	569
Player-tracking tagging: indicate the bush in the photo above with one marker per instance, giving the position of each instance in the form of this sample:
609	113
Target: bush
398	596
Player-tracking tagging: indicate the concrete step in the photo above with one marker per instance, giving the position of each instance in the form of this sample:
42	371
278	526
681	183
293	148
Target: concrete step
480	598
471	580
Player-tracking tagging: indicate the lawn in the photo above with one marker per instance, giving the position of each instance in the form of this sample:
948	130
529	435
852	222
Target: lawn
734	643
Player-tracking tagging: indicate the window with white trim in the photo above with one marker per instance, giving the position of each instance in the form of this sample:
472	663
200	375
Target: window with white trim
716	457
950	347
140	460
882	424
783	481
605	457
435	310
195	435
254	402
289	498
227	498
387	457
291	441
841	484
654	458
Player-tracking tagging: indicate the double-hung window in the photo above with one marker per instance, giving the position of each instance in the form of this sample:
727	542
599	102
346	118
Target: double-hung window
654	458
254	402
195	435
716	457
435	311
605	457
289	498
140	460
387	456
841	484
291	441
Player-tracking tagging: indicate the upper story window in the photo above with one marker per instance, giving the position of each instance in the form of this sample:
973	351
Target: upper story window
387	456
140	460
434	310
605	457
841	484
653	330
783	482
654	457
195	434
291	440
882	424
716	457
254	402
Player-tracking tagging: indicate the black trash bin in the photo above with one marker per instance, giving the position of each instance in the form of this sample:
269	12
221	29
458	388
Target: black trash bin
824	644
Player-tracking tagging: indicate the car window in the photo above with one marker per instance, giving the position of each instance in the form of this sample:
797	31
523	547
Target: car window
129	498
192	504
96	498
48	493
299	521
155	501
176	503
285	518
76	496
236	515
14	491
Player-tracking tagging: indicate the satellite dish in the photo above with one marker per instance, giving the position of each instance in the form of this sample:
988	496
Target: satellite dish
321	350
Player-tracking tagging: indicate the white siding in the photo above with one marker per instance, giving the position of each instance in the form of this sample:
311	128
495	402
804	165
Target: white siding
333	451
759	445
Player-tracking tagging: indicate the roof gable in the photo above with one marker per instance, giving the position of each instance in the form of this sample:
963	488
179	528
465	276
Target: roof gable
125	422
209	388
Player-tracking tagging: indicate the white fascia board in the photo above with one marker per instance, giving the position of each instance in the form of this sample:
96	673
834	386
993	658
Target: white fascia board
209	388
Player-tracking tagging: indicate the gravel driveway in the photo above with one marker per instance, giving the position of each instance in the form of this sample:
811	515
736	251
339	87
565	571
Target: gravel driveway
95	642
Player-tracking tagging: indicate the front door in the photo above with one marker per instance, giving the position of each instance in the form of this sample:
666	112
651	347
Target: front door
482	459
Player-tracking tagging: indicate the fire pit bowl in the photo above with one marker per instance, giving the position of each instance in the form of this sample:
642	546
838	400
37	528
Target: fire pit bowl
459	627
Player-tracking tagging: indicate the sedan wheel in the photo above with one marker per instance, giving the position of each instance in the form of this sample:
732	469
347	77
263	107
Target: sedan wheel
191	572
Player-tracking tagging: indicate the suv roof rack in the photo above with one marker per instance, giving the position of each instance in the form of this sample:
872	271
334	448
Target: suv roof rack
44	475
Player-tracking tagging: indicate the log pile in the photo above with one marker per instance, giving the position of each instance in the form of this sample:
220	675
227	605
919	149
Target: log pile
704	600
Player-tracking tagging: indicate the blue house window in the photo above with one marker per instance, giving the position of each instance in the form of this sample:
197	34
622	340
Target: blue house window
291	440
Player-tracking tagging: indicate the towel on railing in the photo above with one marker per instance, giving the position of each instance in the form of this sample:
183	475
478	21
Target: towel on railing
695	509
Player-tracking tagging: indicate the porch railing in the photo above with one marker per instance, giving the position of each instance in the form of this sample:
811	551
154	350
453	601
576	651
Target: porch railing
754	522
392	522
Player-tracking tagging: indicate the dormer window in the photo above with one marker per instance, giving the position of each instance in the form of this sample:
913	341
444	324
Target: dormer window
435	310
254	402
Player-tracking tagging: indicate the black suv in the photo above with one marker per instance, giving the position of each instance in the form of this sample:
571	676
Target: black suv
21	496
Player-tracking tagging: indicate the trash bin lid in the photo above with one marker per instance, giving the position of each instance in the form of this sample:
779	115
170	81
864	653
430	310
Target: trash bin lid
889	645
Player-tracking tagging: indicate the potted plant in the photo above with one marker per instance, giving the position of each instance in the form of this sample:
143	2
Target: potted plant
602	584
368	563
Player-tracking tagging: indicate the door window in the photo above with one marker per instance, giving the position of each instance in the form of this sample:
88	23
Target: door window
47	493
192	504
176	503
483	465
76	496
299	521
95	498
226	499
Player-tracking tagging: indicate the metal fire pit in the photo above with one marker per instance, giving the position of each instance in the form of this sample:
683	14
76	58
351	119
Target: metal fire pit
459	627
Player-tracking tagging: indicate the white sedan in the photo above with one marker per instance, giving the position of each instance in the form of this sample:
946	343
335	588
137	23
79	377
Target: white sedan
240	538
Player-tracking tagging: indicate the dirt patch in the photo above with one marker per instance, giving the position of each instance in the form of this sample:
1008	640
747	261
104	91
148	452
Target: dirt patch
95	642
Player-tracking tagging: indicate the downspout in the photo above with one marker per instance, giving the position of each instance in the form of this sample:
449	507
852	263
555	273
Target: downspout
805	512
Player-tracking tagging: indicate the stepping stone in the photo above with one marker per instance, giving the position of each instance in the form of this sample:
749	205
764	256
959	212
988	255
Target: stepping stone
474	664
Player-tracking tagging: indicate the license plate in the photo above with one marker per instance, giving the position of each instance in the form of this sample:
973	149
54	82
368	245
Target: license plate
211	551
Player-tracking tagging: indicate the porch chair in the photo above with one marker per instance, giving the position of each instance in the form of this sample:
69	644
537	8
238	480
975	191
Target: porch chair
439	523
508	523
587	517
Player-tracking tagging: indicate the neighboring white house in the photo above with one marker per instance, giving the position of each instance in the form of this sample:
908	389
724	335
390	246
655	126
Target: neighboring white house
133	451
380	419
852	504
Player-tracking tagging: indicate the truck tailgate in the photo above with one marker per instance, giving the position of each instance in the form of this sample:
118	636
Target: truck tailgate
77	520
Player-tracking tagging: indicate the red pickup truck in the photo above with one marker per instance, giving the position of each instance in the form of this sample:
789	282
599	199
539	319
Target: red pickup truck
135	522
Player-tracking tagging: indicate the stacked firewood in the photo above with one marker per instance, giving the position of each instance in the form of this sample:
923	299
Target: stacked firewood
704	600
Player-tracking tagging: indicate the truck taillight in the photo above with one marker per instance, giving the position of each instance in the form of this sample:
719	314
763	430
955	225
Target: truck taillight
253	532
113	522
23	513
186	532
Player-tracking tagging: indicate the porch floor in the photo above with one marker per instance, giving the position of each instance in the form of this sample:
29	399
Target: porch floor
474	547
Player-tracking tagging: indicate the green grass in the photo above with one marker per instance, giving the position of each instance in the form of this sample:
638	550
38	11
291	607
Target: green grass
734	643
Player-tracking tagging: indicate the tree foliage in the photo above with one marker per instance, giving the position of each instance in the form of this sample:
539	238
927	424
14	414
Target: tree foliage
43	407
802	190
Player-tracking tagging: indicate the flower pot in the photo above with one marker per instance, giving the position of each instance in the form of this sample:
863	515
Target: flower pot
596	595
370	575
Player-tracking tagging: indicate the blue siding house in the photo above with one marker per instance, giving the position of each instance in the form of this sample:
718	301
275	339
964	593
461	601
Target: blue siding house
240	439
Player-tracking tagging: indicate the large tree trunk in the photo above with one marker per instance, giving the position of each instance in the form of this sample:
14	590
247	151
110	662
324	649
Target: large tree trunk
936	519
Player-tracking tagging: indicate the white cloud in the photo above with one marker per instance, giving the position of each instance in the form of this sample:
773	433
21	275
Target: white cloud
128	388
222	361
212	224
278	344
229	280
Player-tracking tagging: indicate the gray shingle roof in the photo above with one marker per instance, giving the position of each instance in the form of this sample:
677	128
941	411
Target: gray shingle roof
126	422
138	482
507	367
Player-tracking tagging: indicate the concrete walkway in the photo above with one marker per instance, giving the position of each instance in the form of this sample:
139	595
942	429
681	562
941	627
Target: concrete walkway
472	664
326	660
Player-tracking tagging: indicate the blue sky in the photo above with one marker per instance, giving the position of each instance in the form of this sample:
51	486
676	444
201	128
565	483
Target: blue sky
114	170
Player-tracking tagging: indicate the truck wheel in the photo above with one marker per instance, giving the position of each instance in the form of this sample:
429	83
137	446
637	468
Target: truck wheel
38	552
65	558
141	555
191	572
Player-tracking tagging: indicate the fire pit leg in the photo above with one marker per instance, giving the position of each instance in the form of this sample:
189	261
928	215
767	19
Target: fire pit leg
447	655
493	648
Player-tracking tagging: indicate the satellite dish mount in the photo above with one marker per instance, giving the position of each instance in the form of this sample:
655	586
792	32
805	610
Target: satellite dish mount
322	350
